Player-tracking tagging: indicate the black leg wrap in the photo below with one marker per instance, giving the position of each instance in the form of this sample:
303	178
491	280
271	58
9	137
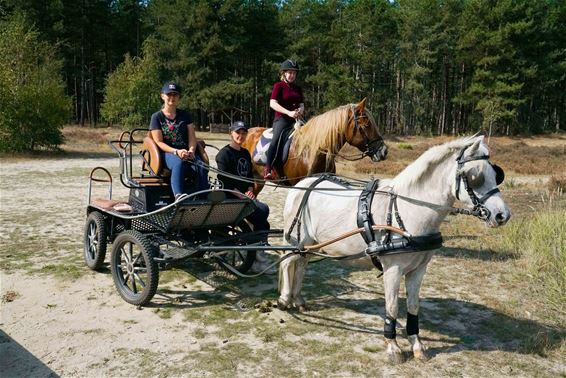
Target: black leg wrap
412	324
389	328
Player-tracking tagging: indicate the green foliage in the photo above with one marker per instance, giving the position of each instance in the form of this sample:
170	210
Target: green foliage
132	90
33	104
426	66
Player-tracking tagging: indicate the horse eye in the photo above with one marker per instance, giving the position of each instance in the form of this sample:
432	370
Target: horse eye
475	178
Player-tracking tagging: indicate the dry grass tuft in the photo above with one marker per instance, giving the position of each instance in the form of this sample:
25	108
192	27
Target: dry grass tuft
557	184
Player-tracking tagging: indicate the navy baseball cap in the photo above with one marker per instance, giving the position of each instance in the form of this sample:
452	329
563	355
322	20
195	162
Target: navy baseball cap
237	126
170	87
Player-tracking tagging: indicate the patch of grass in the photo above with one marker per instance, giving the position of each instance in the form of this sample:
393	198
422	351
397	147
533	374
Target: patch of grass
177	276
63	271
225	360
211	314
163	313
404	146
93	331
199	333
540	241
372	348
137	359
229	330
557	184
510	183
269	334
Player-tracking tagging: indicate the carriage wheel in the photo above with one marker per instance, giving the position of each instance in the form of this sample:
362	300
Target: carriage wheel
95	240
240	260
134	271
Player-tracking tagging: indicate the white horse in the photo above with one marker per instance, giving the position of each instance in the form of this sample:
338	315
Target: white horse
426	191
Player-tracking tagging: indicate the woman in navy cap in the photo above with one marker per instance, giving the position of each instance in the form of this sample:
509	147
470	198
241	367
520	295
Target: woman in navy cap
289	105
173	131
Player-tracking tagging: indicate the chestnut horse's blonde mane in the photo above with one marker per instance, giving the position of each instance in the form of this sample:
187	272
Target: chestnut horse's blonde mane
323	134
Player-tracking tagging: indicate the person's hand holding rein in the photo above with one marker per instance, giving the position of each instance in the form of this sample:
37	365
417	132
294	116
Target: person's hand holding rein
185	154
295	113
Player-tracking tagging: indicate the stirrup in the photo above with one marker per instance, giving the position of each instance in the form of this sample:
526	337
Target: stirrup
267	173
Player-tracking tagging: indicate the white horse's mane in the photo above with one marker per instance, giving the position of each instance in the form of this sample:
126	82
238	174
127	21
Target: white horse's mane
421	168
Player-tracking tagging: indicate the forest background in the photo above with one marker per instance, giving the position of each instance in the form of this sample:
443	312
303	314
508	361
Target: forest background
427	67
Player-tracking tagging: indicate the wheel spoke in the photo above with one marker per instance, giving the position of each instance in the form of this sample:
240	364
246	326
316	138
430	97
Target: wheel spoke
136	276
125	255
137	259
134	287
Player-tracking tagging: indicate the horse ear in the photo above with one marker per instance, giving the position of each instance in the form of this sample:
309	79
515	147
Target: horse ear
476	145
361	105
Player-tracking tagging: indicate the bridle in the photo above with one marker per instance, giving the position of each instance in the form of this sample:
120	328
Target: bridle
372	146
479	210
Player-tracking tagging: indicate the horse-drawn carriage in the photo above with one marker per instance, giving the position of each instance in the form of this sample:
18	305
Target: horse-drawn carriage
152	229
322	216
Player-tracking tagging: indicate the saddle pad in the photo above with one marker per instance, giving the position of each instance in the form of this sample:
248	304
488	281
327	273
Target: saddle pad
260	152
259	155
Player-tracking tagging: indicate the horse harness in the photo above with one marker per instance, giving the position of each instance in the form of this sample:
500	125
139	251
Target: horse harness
387	245
407	243
479	210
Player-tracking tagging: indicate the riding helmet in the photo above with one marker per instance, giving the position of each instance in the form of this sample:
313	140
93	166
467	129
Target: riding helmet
289	65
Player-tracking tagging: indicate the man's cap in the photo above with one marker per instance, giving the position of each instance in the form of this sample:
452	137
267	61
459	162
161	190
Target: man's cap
237	126
170	87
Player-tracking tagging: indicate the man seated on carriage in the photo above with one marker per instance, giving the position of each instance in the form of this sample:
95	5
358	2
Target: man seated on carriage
235	161
173	131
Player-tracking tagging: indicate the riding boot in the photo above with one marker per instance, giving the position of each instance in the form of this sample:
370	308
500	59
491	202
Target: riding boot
267	172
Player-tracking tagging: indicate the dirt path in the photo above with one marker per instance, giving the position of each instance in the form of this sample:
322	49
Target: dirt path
60	319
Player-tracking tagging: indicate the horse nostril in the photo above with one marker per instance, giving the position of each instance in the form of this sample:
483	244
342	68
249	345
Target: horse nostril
501	218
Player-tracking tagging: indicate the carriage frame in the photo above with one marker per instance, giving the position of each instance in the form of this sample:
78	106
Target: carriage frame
151	230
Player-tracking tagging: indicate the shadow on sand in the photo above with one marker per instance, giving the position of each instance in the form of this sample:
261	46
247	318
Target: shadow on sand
17	361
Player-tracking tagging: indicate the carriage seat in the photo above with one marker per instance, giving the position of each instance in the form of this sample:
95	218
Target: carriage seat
154	171
112	205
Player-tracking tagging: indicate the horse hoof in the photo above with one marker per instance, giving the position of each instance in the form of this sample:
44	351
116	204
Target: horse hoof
396	358
302	308
421	355
281	305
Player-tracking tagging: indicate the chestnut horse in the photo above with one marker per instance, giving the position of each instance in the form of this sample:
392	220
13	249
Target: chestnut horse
316	144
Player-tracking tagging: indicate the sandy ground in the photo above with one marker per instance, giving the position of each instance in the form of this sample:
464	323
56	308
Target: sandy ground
81	327
72	328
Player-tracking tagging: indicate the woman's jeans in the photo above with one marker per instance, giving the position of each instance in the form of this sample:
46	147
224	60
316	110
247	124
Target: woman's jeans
276	146
259	217
181	170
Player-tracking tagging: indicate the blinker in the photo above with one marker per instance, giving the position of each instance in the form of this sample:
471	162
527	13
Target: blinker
499	174
475	178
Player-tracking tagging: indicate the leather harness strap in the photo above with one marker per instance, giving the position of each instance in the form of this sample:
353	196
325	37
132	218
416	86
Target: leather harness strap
296	220
365	219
